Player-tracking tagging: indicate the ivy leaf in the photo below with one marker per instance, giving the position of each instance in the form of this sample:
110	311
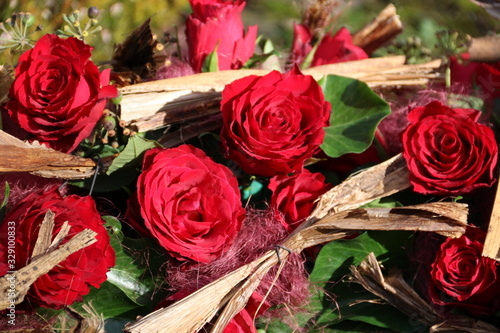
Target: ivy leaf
356	113
131	156
128	274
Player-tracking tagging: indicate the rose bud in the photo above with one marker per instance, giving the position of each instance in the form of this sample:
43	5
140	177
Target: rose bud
217	25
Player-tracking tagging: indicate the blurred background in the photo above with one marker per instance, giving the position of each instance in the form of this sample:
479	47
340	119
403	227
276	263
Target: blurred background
275	18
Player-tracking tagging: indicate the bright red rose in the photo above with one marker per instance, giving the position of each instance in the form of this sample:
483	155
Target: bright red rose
337	48
447	151
294	197
273	123
72	278
217	24
461	277
189	203
58	94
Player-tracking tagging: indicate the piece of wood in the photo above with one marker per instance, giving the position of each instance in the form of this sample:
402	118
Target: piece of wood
485	49
19	156
380	31
156	104
492	243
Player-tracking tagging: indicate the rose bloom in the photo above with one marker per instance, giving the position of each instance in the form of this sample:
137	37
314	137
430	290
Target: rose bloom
461	277
189	203
294	196
331	49
476	78
447	151
71	279
273	123
217	24
58	94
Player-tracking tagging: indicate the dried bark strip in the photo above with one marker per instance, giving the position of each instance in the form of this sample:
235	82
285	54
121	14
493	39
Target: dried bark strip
492	243
378	32
156	104
19	156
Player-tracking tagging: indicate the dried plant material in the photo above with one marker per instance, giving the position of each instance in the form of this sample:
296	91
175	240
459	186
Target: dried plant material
484	49
225	297
6	80
156	104
492	243
41	264
394	290
190	131
378	32
397	292
19	156
88	322
133	59
376	182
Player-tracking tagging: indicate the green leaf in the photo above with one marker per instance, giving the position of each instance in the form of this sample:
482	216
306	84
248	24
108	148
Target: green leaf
131	156
110	301
3	205
356	113
334	300
211	62
129	274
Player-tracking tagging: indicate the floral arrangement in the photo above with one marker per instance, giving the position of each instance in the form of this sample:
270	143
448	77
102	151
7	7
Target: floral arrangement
219	185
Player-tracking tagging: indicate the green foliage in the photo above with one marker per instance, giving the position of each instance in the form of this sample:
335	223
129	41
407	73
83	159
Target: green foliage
131	156
211	62
356	113
340	306
3	205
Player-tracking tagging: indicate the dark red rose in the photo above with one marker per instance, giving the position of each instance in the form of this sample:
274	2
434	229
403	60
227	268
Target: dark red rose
447	151
273	123
475	78
58	94
294	197
72	278
461	277
217	24
337	48
189	203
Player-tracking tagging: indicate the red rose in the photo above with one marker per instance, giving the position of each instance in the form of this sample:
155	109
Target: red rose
72	278
295	196
332	48
447	151
470	74
301	45
189	203
273	123
58	94
217	24
337	48
461	277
